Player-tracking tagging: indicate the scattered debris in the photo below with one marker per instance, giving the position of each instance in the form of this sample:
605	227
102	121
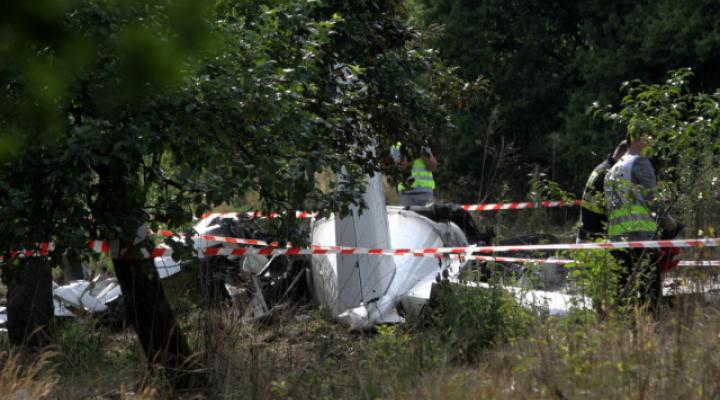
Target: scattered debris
254	284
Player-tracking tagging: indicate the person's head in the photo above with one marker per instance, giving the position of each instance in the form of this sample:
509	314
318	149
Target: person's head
620	150
638	136
636	144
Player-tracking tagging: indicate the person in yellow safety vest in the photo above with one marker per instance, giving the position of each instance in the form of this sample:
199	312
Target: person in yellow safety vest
419	190
630	193
593	218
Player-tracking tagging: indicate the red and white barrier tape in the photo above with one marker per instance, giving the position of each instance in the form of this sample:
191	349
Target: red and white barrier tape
467	207
434	251
104	247
99	246
223	239
520	205
260	215
646	244
252	242
38	250
513	259
692	263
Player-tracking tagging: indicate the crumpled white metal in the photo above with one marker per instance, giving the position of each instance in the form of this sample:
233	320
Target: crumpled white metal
409	281
88	296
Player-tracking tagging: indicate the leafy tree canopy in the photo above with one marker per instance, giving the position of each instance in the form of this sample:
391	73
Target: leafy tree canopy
120	112
117	113
683	127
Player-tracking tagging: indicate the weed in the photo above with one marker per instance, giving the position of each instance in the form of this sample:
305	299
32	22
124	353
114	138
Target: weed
468	320
595	274
26	376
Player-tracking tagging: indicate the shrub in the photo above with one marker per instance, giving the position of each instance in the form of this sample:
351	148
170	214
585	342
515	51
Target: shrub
469	319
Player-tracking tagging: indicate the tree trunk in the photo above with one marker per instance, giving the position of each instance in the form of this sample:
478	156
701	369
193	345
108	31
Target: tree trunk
30	303
149	312
146	308
212	287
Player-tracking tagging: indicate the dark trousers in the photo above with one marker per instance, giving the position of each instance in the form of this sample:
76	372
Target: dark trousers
410	198
639	277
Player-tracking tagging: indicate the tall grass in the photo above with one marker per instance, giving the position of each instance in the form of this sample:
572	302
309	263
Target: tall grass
618	358
473	344
472	356
26	376
470	344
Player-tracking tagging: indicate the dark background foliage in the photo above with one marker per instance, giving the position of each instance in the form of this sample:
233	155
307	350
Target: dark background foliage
548	61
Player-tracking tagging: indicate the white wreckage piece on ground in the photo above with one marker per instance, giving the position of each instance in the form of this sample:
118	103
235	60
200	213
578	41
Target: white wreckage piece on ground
80	296
94	296
90	296
97	294
246	278
364	290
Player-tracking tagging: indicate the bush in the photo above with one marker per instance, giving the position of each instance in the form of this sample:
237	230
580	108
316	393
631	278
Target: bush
469	319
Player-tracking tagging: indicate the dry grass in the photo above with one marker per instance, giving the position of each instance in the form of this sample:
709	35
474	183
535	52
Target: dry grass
26	377
302	355
277	360
634	358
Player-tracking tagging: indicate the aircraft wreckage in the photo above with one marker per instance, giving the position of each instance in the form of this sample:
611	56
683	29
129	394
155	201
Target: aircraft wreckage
364	290
358	290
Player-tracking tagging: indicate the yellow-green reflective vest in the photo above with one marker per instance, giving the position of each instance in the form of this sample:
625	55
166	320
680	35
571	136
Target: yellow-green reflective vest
421	176
627	207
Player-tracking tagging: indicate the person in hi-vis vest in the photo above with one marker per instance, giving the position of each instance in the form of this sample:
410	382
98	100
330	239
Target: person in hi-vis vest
593	217
418	190
633	215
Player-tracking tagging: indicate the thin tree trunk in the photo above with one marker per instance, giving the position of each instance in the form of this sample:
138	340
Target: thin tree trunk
149	312
30	304
146	306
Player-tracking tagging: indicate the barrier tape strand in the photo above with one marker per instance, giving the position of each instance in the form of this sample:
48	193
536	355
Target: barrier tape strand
466	207
469	250
104	247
